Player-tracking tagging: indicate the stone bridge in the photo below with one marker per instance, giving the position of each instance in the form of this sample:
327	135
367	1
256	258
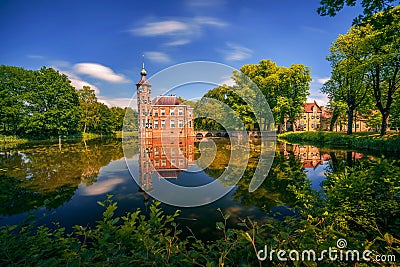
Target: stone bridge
210	133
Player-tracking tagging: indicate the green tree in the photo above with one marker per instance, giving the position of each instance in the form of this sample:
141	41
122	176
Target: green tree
369	53
338	109
87	101
331	7
51	105
13	81
130	120
395	112
117	117
347	83
285	89
381	41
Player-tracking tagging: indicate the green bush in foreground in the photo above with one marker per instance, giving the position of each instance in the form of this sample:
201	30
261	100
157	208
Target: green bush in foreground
360	204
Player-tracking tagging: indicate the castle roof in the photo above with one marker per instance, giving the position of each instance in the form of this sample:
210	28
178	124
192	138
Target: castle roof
166	100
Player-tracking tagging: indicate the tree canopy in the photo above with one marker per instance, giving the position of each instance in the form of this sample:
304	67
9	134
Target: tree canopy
43	103
368	56
332	7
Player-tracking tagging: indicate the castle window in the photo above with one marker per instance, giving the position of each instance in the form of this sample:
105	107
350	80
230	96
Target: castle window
180	123
190	124
180	112
173	162
172	123
181	162
172	112
163	163
155	124
163	124
162	112
190	114
156	113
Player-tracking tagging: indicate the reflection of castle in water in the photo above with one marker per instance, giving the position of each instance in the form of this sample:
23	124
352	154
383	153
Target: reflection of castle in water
166	135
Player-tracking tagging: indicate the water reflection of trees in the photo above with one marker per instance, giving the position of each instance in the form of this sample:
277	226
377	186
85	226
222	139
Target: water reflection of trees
36	175
287	170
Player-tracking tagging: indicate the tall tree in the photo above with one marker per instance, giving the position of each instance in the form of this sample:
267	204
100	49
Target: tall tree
347	83
370	52
87	101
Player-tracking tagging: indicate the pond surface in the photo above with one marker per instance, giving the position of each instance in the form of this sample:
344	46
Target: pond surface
63	183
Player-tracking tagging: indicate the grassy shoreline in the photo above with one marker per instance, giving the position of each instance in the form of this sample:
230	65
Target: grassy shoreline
368	141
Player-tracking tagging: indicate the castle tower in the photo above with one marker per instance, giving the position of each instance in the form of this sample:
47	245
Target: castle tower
144	105
143	88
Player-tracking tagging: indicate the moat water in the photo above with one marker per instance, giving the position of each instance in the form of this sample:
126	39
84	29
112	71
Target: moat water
64	183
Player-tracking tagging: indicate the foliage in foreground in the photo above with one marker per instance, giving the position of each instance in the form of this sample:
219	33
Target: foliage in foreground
360	204
361	141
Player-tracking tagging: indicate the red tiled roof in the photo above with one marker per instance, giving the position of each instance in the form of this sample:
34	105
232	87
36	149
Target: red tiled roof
308	107
166	101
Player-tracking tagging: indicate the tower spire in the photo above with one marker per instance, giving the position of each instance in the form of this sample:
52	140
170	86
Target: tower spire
143	72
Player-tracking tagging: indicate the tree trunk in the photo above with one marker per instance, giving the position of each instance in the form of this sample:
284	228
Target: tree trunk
385	117
84	128
333	120
350	121
294	126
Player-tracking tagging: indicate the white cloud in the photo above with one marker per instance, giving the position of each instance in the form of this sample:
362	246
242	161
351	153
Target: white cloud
178	42
78	83
237	52
117	102
168	27
35	56
228	81
321	80
157	56
181	30
101	187
99	71
209	21
321	99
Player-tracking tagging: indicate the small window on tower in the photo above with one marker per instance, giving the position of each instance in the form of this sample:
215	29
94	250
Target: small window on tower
172	112
162	112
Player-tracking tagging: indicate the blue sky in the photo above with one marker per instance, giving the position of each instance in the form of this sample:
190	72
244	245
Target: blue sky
100	43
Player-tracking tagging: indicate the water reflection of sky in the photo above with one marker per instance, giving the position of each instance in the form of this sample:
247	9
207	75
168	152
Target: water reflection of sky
317	174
